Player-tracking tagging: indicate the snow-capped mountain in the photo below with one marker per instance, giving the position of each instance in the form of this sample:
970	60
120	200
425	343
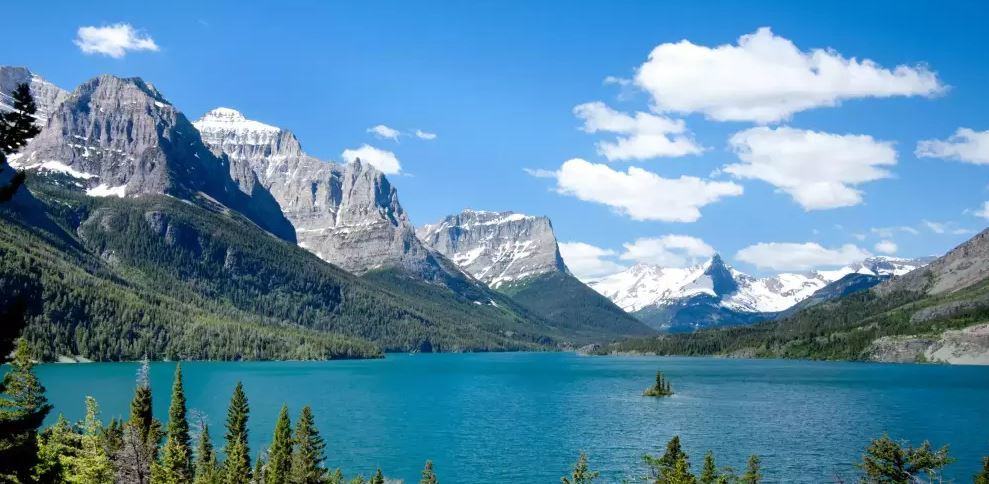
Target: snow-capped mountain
660	293
47	96
347	214
496	247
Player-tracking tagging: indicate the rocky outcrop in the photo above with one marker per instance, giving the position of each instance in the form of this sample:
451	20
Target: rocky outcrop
960	268
967	346
496	247
47	96
348	214
121	137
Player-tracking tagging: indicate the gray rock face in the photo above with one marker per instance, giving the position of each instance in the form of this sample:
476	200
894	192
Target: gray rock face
47	96
348	215
496	247
962	267
120	137
966	346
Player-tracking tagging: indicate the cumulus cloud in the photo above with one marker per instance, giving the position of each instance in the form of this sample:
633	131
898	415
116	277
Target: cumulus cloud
384	161
819	170
668	250
113	40
965	145
641	136
765	78
425	135
783	256
587	261
641	194
385	132
887	247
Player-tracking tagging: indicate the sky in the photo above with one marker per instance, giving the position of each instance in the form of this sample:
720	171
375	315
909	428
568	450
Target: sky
782	136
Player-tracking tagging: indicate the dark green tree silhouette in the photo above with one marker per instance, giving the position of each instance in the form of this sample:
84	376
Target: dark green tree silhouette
307	460
753	474
888	461
23	408
206	471
16	128
176	462
280	452
237	467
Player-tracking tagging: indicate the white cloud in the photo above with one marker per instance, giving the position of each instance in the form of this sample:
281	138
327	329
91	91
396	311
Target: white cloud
425	135
640	194
983	212
887	247
668	250
643	136
819	170
588	261
384	161
113	40
965	145
783	256
385	132
766	78
888	232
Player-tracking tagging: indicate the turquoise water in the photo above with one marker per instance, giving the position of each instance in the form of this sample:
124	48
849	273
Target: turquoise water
523	417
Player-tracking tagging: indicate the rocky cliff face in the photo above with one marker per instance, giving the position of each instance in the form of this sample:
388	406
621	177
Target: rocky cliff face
496	247
121	137
47	96
348	214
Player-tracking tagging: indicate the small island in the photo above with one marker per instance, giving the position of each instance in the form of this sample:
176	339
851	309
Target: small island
660	389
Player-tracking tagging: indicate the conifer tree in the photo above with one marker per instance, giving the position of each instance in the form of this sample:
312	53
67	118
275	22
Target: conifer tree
16	128
428	475
307	460
56	445
23	408
237	467
709	473
280	452
138	451
91	465
205	468
141	417
752	472
177	454
886	460
663	465
679	473
983	476
260	469
582	474
336	477
378	478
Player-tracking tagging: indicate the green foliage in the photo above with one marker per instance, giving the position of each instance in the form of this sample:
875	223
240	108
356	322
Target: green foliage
888	461
237	467
206	470
709	473
17	127
659	389
378	478
662	468
568	303
581	474
177	455
84	459
23	408
280	453
983	476
307	460
753	474
843	329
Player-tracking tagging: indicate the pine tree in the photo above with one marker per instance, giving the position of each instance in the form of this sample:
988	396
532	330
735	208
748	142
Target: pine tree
16	128
177	456
659	467
679	473
886	460
91	465
336	477
378	478
281	450
709	473
983	476
237	467
257	475
307	460
582	474
23	408
206	470
139	447
141	418
752	472
428	475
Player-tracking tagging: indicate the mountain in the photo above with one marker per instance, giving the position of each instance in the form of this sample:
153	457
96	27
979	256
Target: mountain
120	137
934	313
715	294
518	255
347	214
47	96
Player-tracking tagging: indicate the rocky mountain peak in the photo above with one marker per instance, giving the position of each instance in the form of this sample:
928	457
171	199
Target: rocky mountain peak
496	247
47	96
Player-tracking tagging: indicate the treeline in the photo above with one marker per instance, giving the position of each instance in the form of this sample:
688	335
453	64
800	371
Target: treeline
844	329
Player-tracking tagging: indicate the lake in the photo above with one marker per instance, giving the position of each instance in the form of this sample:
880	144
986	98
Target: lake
523	417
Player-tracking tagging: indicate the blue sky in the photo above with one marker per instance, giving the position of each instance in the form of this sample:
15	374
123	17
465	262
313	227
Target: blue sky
498	83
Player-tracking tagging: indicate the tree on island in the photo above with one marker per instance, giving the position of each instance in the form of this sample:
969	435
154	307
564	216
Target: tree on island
660	389
428	475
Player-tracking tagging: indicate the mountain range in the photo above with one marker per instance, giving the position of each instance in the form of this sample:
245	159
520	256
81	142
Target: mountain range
215	220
